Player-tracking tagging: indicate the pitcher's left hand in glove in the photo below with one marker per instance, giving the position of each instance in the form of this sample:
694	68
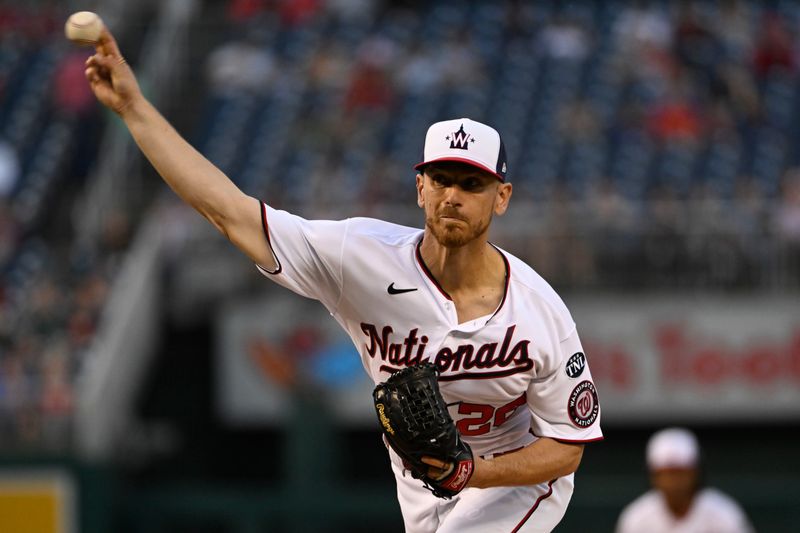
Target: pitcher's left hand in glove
416	424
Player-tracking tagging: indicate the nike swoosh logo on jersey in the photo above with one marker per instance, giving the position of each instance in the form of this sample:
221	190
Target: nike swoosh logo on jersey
392	290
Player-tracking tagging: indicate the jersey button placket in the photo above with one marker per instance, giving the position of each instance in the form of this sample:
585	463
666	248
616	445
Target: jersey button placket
450	311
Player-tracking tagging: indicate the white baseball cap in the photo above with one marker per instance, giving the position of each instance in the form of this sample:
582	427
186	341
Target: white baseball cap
465	141
673	448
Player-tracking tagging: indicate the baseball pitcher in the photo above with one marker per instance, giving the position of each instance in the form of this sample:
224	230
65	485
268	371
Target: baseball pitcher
483	391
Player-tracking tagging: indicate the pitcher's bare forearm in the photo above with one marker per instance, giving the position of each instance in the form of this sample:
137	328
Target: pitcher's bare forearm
193	177
198	182
542	461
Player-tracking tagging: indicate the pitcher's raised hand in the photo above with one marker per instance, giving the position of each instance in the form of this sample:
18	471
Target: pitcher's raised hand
110	77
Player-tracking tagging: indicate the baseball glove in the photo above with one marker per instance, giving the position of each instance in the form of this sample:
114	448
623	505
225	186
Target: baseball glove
416	424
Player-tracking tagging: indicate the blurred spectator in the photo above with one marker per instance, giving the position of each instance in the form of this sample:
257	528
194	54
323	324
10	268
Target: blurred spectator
642	38
352	10
614	218
787	213
774	47
565	40
662	234
695	45
519	19
738	93
733	27
57	395
242	12
116	234
749	224
370	87
298	12
750	208
641	27
329	68
240	66
369	90
72	96
419	72
47	309
786	224
9	169
29	23
565	256
74	103
459	61
713	253
645	66
10	16
675	117
386	182
678	502
90	291
578	121
9	234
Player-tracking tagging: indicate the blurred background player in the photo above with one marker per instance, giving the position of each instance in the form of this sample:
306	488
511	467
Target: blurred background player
678	502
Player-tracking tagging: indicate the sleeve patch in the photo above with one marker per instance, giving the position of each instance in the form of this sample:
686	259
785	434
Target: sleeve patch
576	364
583	406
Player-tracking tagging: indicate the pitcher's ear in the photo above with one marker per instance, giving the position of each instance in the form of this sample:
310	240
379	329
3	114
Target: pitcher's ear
504	191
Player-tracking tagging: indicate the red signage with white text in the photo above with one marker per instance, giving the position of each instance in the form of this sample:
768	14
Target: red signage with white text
716	359
652	358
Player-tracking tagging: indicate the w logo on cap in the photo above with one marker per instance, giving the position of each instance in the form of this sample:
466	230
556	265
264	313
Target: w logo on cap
481	147
460	139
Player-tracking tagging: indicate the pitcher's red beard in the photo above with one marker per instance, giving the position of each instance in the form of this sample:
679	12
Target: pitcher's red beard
455	233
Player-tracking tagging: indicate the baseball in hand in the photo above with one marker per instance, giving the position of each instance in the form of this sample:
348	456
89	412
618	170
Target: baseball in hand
83	28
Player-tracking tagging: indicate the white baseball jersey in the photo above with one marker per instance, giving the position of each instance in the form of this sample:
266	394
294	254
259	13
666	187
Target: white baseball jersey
711	512
509	377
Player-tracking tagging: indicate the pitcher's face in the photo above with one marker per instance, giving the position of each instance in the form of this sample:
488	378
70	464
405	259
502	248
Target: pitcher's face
459	201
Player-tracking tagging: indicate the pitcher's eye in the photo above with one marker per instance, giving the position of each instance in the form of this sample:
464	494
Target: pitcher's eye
470	184
441	180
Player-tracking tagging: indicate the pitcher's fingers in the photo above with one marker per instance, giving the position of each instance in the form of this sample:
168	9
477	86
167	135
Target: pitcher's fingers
432	461
97	65
105	63
91	74
101	61
107	45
